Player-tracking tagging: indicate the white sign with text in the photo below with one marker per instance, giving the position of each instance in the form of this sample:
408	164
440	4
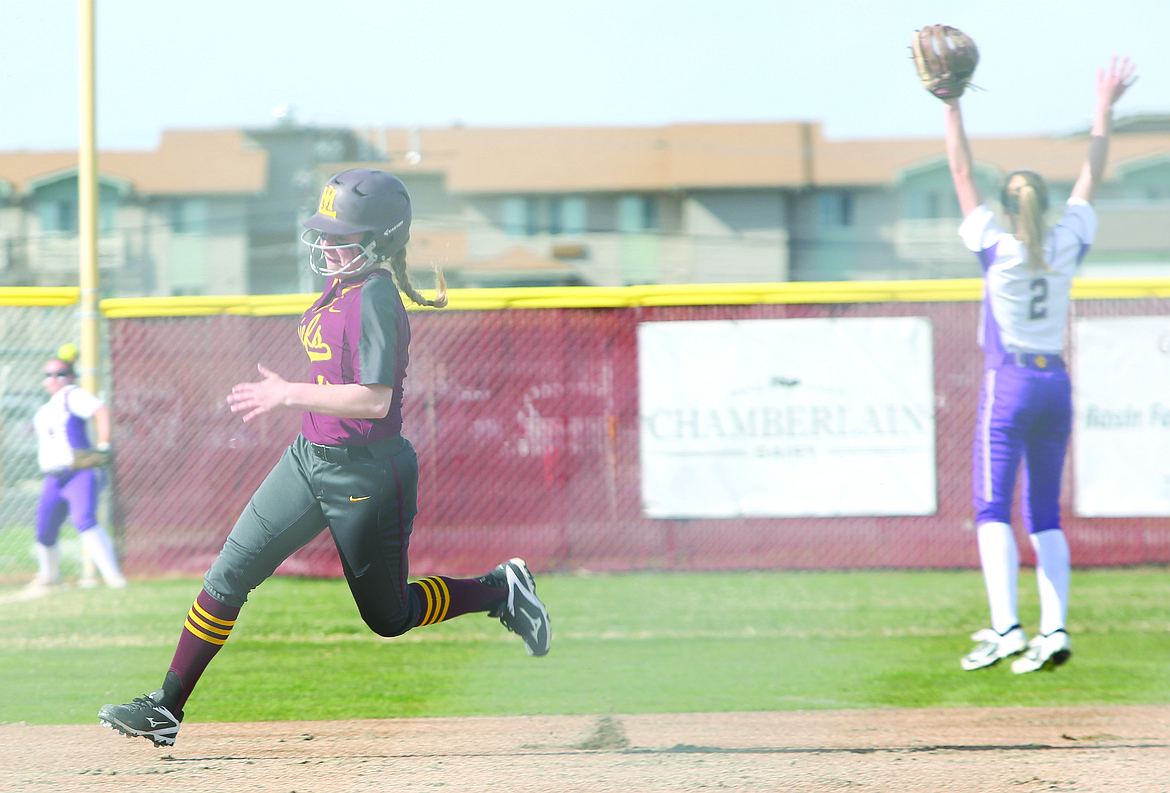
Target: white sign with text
1121	417
787	417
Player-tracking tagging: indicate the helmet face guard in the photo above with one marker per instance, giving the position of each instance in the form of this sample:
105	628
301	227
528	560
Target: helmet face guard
360	200
364	258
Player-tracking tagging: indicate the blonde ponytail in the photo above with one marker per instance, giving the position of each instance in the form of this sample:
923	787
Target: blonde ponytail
398	270
1025	196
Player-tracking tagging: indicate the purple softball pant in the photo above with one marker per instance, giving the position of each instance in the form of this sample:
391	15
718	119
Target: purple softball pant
74	495
1025	413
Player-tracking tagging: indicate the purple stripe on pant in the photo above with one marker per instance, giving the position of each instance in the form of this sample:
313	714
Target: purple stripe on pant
1024	413
73	495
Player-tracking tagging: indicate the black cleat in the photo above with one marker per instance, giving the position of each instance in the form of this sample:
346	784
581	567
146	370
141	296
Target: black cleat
144	717
521	611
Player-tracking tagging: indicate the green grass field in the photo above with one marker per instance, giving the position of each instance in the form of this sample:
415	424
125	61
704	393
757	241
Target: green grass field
624	643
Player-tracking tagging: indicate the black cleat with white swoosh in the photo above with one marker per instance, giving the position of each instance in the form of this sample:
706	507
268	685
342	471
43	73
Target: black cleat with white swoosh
521	611
145	717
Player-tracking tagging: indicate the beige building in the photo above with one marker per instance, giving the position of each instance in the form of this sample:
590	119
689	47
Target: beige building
218	212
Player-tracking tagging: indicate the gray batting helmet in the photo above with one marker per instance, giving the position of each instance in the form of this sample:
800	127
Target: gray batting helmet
366	201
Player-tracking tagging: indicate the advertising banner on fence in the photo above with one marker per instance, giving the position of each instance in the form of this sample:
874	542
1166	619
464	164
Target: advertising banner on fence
1121	415
787	417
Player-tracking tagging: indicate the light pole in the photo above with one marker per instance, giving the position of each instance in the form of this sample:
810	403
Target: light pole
87	207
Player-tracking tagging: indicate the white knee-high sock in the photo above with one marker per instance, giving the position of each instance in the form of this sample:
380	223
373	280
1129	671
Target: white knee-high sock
1000	559
48	563
1053	570
97	541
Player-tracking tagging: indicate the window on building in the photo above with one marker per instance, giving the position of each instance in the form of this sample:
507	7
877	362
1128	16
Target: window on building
189	216
556	215
107	214
56	206
637	213
931	205
835	208
536	215
513	215
573	216
58	215
1157	193
1149	183
566	215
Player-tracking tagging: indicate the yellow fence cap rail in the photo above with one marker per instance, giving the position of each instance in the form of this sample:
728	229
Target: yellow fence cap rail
1120	288
187	306
802	292
40	296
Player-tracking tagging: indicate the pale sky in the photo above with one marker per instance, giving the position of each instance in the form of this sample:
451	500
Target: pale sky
532	63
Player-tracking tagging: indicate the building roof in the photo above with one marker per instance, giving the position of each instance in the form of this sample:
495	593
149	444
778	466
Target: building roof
602	159
1058	159
780	155
186	162
711	156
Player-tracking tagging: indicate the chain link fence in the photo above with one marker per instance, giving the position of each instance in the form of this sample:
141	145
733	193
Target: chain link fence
526	425
30	335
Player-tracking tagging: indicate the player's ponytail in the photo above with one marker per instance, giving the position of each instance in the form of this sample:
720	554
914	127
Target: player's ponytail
1025	196
398	269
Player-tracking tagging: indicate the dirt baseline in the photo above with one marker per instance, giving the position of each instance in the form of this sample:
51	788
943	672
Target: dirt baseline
956	749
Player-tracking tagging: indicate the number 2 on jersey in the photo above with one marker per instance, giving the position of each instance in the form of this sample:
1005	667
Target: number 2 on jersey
1036	306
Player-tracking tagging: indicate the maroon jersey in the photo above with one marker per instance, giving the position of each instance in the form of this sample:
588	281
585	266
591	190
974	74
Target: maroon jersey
357	332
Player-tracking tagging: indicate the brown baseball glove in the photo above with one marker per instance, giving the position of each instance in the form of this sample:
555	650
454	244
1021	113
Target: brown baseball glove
946	58
90	458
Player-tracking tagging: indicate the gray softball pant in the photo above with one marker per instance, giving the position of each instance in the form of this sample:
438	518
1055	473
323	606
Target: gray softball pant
368	505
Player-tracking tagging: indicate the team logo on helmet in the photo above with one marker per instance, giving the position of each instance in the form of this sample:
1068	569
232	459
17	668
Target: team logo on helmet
327	197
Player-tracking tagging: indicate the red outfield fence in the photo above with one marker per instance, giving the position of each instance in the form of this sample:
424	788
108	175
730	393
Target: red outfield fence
526	425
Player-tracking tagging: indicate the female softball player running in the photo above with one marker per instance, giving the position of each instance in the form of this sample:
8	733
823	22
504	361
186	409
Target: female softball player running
349	470
1025	407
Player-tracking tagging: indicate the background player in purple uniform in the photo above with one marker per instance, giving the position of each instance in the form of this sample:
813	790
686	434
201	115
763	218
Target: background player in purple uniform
1025	407
350	470
61	427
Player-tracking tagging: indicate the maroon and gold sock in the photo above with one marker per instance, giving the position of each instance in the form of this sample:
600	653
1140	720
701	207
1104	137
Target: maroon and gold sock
208	625
442	598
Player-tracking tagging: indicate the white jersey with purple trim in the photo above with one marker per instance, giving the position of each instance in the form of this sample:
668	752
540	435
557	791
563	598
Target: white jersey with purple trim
60	426
1024	309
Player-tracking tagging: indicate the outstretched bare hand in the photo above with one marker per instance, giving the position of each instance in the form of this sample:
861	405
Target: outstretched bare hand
256	399
1113	81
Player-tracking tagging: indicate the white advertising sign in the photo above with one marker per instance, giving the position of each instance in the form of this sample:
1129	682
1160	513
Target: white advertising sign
1121	417
787	417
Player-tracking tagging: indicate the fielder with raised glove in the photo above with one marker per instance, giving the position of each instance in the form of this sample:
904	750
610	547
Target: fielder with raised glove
946	58
1025	409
